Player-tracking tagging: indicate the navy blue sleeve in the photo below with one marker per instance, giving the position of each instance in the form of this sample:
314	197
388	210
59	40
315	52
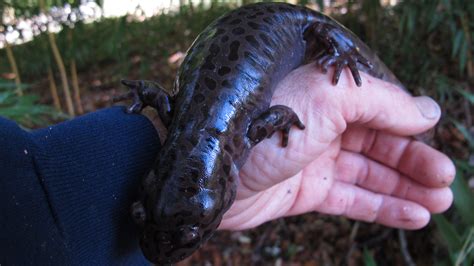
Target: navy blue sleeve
65	190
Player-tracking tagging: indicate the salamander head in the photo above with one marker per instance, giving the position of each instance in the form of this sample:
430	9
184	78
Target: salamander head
176	223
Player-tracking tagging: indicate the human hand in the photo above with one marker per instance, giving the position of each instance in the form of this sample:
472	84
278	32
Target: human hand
355	158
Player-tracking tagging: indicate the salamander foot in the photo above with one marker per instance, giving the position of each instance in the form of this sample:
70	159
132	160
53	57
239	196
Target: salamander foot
277	118
145	93
340	51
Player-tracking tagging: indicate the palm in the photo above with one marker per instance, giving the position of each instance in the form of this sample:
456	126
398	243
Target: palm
346	162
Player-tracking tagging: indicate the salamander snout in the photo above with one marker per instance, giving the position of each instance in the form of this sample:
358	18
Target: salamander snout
169	246
188	234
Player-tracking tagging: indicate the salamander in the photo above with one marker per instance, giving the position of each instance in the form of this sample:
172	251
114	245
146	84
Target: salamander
220	108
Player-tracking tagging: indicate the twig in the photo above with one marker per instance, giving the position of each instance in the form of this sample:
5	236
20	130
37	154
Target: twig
53	89
404	248
12	61
355	229
466	248
379	238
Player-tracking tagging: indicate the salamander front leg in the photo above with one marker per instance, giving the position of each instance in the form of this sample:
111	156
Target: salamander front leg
277	118
145	93
340	50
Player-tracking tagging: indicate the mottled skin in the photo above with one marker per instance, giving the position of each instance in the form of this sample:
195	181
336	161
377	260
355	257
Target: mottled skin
220	108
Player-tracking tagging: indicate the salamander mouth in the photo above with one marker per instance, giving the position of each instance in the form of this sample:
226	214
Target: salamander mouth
161	246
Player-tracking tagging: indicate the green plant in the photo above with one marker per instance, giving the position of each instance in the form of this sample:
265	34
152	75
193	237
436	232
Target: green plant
458	235
25	108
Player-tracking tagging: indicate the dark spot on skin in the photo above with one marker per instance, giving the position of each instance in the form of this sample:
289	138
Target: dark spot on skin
194	175
220	31
282	8
210	83
252	17
241	13
223	71
235	21
251	39
172	155
224	39
260	13
193	140
238	31
234	51
208	63
253	25
204	109
226	168
199	98
271	10
225	83
228	148
268	20
214	49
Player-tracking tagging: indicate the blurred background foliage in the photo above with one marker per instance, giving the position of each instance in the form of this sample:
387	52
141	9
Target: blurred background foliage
73	57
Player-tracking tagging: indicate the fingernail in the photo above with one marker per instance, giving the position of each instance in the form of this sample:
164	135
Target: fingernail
428	107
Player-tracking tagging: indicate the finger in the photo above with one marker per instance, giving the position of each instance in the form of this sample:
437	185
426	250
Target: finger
354	168
417	160
360	204
382	105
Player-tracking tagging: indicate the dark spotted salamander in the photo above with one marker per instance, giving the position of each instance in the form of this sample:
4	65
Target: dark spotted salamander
220	108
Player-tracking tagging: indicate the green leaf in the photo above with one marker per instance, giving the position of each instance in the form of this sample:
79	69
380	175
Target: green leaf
466	254
411	20
448	233
463	198
368	258
457	40
466	94
469	137
463	55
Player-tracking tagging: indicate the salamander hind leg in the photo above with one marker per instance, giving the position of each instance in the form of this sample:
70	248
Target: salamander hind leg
145	93
340	50
276	118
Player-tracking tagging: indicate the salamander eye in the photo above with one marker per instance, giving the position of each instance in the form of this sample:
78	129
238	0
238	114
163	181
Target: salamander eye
189	191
